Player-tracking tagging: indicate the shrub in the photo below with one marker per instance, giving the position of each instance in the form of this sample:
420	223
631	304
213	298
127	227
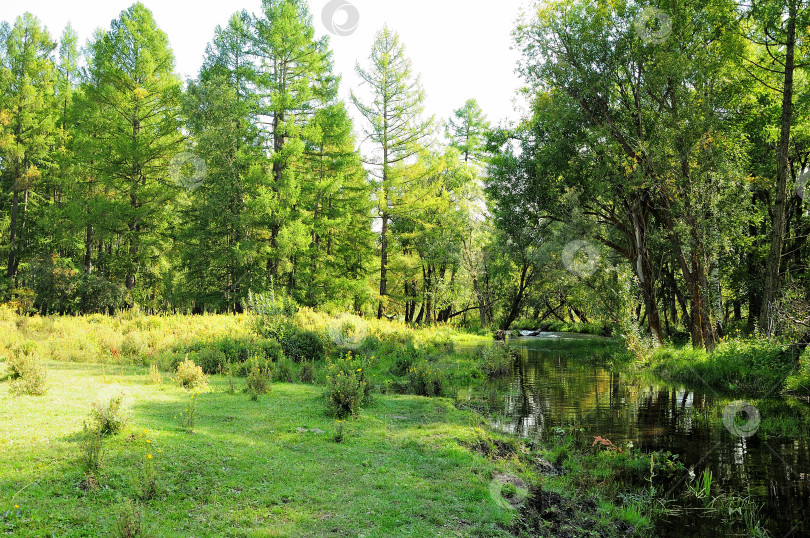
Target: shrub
92	448
283	371
109	418
191	376
306	374
134	346
346	386
27	371
129	521
497	361
258	381
425	380
748	366
21	355
402	358
302	345
155	376
97	295
274	313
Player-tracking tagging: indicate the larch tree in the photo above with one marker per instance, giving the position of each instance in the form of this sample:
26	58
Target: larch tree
467	130
294	80
133	126
394	125
27	106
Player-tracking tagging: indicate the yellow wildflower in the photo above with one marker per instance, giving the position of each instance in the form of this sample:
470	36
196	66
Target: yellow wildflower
149	456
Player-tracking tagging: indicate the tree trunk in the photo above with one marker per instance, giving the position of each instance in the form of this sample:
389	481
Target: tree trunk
383	264
771	287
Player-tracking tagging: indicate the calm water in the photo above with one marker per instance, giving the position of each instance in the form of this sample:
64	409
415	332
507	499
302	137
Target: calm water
551	387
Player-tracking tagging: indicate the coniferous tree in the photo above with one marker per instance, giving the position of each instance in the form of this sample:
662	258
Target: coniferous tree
395	127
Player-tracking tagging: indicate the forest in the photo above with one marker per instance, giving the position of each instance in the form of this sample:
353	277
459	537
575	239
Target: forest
262	301
657	180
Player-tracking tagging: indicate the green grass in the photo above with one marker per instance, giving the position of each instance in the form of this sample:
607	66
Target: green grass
747	367
245	471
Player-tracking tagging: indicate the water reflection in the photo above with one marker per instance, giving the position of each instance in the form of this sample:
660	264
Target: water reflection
552	388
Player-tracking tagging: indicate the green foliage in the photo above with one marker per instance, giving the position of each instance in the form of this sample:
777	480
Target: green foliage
190	376
91	448
259	381
283	371
306	374
425	379
467	131
346	386
301	345
109	417
737	366
213	356
799	381
497	360
274	312
29	376
129	521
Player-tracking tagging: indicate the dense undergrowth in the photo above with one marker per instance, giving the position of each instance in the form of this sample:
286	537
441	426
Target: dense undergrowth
753	367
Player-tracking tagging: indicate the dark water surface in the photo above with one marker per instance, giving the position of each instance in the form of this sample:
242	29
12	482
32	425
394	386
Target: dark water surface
551	387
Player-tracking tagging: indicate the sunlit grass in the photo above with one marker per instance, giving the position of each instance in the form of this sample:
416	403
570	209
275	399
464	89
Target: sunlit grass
246	469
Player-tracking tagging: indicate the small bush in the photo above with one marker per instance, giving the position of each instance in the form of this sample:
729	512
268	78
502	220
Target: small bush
190	376
425	380
340	434
109	418
134	346
129	521
258	381
497	361
155	376
303	346
283	371
27	371
346	386
306	374
92	448
402	358
21	355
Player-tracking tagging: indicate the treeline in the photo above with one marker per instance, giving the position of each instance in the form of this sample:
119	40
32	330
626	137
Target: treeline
123	185
675	139
656	184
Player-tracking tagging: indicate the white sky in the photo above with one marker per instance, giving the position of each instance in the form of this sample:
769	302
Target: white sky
460	47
